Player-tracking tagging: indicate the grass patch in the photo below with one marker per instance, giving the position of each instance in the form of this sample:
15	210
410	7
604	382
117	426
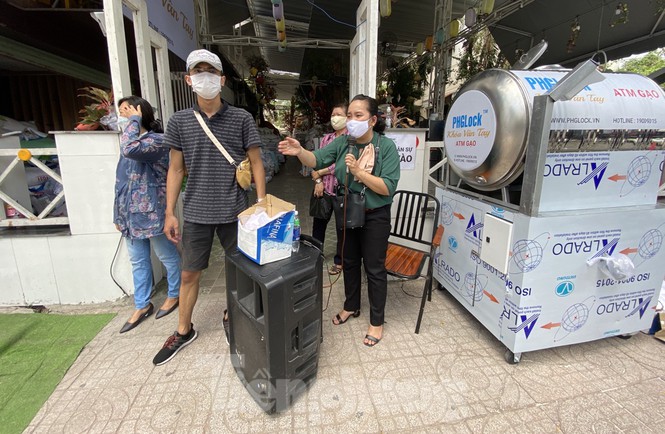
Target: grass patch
36	350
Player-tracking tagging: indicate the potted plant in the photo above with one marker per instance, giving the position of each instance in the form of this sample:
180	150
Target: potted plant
100	114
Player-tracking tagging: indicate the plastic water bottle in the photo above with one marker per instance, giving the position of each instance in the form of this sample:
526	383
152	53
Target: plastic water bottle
389	119
296	233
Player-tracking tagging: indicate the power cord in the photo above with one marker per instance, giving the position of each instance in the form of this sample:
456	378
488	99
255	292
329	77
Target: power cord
332	282
404	291
313	242
115	256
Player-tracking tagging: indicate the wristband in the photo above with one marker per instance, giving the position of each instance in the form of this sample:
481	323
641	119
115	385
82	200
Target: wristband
260	199
318	181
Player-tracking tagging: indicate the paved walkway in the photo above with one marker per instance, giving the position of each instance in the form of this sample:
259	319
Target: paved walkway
450	378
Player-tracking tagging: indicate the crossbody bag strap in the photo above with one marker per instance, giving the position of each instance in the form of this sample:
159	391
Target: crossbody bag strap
377	158
214	139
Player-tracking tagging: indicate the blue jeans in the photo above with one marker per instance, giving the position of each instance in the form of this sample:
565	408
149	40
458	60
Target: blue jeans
139	256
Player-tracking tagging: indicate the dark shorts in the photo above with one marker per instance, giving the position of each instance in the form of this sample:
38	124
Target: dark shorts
197	243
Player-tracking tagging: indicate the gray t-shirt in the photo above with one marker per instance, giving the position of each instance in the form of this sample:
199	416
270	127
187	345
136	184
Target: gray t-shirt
212	195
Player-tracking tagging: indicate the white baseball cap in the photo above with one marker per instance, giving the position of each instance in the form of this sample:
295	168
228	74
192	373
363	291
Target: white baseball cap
199	56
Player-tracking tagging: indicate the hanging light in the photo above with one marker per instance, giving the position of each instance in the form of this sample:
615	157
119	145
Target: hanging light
438	36
277	10
428	43
385	8
280	23
454	28
487	6
470	17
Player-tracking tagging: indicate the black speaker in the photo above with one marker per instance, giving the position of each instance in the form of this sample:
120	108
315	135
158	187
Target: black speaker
275	324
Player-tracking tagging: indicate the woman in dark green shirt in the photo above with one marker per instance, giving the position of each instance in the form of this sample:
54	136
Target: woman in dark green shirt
372	162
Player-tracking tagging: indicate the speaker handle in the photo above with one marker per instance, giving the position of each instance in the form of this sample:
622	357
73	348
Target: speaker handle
311	241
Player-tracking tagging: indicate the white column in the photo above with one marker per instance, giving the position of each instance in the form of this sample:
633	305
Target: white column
142	36
161	46
117	46
364	50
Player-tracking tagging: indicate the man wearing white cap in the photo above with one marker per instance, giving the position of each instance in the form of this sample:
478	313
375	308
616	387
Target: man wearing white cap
213	198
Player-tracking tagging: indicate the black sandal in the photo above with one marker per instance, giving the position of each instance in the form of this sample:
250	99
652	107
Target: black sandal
355	314
372	341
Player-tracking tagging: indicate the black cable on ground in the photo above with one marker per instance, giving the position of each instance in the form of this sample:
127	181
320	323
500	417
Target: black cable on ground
115	256
410	295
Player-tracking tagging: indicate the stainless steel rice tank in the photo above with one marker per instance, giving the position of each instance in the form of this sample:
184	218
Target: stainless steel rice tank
487	127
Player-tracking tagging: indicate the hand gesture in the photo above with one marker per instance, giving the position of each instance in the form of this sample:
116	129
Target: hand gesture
172	229
289	146
133	111
318	190
351	163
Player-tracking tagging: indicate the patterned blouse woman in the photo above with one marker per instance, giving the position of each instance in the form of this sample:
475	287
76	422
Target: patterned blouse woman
139	208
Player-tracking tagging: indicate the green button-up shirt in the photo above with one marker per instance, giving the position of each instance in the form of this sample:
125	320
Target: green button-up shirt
386	167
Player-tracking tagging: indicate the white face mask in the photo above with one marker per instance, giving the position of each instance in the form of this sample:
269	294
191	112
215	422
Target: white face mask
122	122
206	85
338	122
357	128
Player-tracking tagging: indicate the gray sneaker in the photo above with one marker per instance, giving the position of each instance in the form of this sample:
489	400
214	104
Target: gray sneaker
173	344
225	323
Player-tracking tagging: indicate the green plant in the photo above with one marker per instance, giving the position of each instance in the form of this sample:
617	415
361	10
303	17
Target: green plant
405	84
92	114
480	53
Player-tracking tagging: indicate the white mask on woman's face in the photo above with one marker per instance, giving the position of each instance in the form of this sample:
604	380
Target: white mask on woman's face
206	85
357	128
338	122
122	122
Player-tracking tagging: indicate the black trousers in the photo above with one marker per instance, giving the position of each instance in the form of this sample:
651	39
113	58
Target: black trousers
367	246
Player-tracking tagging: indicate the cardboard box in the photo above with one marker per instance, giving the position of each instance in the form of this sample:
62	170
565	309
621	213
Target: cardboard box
272	241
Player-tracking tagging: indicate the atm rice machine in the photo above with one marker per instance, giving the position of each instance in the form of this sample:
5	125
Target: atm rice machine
553	232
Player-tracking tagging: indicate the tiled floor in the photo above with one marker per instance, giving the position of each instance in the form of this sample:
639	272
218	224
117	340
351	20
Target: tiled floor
452	377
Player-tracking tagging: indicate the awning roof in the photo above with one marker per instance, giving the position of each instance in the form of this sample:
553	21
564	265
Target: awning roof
523	24
519	25
551	20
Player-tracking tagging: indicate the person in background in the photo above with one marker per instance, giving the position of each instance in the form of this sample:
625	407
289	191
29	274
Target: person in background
326	183
139	206
212	199
372	162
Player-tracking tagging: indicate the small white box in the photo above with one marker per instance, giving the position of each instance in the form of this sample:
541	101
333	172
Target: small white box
272	241
497	235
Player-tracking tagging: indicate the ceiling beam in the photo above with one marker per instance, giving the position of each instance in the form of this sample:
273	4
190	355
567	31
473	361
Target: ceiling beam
499	13
613	47
255	41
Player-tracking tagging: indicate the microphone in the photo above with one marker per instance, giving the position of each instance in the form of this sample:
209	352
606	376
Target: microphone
350	144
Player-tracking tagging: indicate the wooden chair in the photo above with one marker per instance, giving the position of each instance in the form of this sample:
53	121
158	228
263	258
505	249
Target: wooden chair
414	240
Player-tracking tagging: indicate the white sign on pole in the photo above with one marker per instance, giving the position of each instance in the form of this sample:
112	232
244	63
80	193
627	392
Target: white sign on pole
176	21
406	146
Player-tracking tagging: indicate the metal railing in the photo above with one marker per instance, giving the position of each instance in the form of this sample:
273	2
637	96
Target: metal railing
29	218
432	171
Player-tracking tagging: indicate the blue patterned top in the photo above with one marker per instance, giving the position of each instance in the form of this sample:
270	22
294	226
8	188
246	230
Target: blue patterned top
140	182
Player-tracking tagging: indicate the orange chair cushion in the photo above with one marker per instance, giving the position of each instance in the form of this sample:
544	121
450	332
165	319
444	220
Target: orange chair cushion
404	262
